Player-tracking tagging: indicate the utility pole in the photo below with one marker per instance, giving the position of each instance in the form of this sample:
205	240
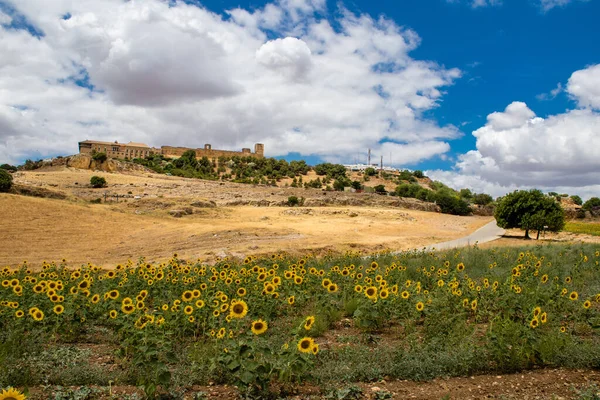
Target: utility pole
381	164
369	158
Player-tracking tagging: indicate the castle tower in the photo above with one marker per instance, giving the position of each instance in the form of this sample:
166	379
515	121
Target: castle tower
259	149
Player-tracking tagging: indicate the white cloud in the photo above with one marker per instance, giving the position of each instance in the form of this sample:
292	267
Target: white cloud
181	75
545	5
553	93
290	56
485	3
5	19
550	4
517	149
584	86
478	3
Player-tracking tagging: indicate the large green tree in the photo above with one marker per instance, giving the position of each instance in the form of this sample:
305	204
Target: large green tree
530	210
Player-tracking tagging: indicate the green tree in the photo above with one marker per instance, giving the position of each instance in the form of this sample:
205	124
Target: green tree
5	180
370	171
577	200
418	174
591	204
450	204
529	210
97	181
380	189
466	194
482	199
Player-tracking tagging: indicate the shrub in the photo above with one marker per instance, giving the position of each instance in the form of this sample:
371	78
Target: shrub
293	201
97	181
370	171
482	199
591	204
418	174
452	205
577	200
5	180
8	167
99	156
380	189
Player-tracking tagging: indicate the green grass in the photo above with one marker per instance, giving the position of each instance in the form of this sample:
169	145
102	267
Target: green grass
583	227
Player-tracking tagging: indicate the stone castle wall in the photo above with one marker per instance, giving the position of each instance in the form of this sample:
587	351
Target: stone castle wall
134	150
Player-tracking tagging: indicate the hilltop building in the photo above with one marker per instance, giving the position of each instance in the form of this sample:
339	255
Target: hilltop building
134	150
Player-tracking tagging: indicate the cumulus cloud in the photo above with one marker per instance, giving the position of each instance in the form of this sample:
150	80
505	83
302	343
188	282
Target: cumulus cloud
289	56
517	149
584	86
159	72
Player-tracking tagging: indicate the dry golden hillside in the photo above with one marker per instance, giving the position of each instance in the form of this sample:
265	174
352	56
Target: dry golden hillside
38	229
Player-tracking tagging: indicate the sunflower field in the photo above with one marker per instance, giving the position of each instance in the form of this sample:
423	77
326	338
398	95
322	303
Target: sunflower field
267	324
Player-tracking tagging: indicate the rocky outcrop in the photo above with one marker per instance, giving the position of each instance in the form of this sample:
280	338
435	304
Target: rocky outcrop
203	204
84	161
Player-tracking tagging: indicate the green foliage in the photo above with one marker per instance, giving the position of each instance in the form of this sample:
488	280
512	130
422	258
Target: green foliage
315	184
6	180
333	171
370	171
380	189
293	201
529	210
418	174
356	185
589	392
150	351
482	199
450	204
591	204
577	200
99	156
97	182
406	175
466	194
8	167
352	392
341	183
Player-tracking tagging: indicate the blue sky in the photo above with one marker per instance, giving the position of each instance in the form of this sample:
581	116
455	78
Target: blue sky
473	91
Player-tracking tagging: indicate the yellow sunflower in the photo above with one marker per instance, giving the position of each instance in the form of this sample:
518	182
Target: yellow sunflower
371	292
305	345
420	306
11	394
238	309
259	327
574	296
38	315
127	308
534	323
309	322
58	309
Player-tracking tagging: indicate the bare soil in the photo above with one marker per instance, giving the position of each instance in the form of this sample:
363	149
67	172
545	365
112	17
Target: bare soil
244	219
543	384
